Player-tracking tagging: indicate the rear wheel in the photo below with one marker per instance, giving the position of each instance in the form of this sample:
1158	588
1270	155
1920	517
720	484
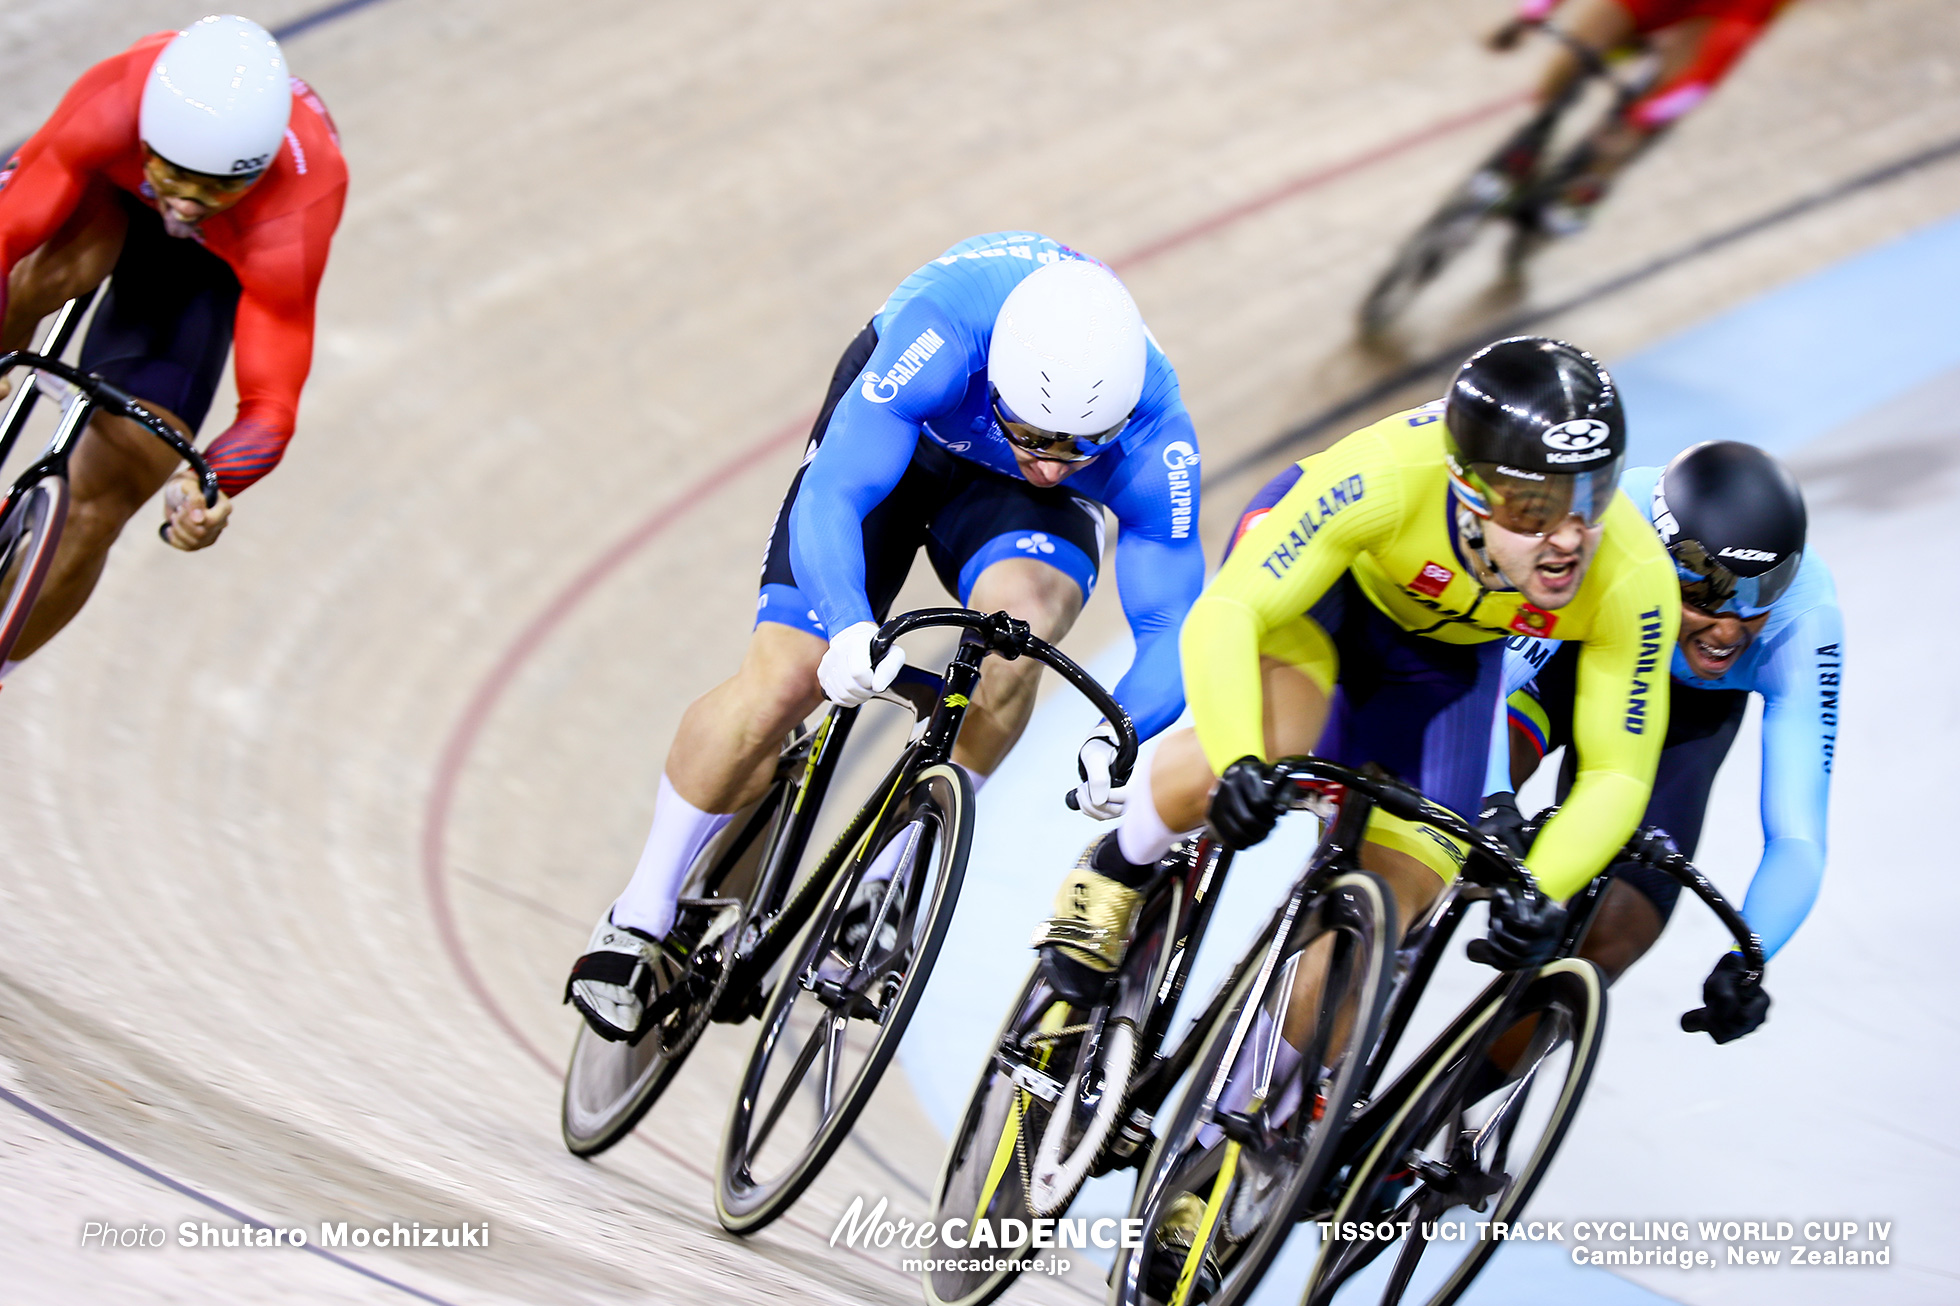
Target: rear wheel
1249	1139
28	535
609	1086
1469	1144
841	1007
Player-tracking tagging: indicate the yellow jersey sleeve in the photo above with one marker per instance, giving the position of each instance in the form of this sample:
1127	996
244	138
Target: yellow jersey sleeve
1619	714
1348	500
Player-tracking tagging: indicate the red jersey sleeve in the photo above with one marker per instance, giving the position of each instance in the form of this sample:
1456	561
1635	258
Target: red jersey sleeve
91	131
276	241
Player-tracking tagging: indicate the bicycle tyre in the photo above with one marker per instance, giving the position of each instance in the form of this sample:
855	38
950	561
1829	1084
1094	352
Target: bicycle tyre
940	796
1355	906
1574	992
29	535
1429	249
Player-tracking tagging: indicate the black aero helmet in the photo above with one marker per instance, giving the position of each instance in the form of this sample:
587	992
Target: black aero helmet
1535	434
1733	518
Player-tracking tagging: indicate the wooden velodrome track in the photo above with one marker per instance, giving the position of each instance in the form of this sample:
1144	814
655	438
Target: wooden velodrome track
298	836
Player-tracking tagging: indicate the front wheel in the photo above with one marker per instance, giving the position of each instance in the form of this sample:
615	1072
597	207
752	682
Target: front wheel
838	1012
1268	1096
28	535
1469	1144
1042	1113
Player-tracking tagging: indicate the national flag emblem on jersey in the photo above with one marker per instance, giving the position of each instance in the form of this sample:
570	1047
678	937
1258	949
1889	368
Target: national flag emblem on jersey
1534	621
1433	579
1246	523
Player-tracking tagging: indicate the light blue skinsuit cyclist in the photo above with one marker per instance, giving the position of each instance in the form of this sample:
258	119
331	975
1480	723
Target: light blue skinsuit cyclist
1796	663
916	447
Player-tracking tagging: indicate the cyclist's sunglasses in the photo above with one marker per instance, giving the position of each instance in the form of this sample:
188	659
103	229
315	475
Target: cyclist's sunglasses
1708	586
1053	446
1535	503
203	181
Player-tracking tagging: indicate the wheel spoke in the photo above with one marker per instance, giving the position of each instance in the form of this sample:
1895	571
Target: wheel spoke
804	1059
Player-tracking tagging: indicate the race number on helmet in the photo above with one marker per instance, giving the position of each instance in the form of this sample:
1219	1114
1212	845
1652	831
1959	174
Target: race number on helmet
217	98
1067	359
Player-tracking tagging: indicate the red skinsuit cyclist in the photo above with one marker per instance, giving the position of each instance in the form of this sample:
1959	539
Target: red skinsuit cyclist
1697	42
196	256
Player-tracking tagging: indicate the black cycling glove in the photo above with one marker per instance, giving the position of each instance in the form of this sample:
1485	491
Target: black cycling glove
1734	1006
1246	805
1524	931
1502	821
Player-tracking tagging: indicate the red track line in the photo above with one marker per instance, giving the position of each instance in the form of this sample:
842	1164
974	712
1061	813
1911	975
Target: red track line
1316	179
463	736
476	713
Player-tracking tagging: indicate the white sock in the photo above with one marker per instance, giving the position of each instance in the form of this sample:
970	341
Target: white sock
972	775
1141	835
680	830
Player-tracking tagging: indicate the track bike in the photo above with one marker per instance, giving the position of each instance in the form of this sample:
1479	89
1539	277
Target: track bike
835	997
1069	1093
1471	1124
37	502
1511	184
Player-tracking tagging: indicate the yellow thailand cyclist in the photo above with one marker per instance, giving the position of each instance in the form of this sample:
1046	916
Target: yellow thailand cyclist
1362	616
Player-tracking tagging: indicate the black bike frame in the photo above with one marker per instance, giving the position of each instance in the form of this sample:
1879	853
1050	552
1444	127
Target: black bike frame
940	704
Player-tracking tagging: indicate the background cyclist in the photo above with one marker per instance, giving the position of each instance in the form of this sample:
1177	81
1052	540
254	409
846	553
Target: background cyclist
209	181
1005	393
1759	614
1362	617
1697	42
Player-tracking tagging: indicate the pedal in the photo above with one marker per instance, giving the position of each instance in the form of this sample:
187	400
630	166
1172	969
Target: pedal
1024	1076
1241	1127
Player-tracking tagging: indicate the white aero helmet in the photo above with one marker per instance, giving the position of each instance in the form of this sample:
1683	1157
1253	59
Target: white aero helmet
217	98
1067	359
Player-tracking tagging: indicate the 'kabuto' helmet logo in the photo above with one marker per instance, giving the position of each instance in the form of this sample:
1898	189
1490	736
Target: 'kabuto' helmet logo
1577	434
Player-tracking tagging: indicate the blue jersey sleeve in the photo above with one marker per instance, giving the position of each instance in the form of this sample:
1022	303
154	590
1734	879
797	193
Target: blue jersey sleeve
1160	564
1800	682
918	371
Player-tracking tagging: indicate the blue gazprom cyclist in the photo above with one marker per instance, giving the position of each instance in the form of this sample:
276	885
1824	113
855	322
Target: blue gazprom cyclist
1759	614
1005	394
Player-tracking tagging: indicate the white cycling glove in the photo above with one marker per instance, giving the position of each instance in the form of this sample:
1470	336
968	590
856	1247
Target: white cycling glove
846	673
1096	795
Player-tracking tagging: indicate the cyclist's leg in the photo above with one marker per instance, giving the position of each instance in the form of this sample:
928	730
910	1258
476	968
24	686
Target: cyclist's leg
1049	601
1695	53
723	752
1420	709
117	467
162	332
1599	26
1001	544
72	262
